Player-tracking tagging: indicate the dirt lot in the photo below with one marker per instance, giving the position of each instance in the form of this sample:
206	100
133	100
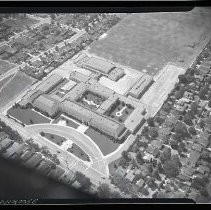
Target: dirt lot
148	41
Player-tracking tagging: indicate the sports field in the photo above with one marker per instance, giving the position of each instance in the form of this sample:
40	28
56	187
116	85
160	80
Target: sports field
5	80
14	87
150	40
5	66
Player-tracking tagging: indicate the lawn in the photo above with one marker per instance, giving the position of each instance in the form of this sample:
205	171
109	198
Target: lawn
5	66
59	140
68	122
150	40
27	116
91	100
105	144
5	80
78	152
119	111
17	85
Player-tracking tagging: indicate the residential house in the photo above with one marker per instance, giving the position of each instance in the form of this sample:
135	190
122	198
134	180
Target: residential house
33	161
120	171
130	175
197	147
26	155
193	158
140	183
3	136
57	173
203	170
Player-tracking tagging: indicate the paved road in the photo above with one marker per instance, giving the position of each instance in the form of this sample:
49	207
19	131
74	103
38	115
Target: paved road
67	160
78	138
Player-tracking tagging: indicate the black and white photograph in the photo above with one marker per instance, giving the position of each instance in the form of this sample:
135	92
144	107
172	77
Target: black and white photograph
115	105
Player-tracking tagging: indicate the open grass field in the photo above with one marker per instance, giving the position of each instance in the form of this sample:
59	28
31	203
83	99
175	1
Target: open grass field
5	80
105	144
78	152
5	66
27	116
150	40
17	85
59	140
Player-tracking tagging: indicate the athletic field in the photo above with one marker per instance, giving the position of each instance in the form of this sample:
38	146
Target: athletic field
151	40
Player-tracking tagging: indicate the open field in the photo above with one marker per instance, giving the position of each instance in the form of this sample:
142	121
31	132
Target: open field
5	80
5	66
105	144
148	41
59	140
19	83
27	116
78	152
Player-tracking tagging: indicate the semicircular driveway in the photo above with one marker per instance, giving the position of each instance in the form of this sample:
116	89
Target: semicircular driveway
83	141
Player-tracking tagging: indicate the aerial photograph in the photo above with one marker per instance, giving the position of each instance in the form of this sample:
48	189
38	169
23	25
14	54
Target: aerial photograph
117	105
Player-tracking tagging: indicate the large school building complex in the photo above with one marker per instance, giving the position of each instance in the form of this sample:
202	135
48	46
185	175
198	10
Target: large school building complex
85	99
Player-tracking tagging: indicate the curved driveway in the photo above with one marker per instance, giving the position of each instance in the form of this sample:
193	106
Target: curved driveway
78	138
70	133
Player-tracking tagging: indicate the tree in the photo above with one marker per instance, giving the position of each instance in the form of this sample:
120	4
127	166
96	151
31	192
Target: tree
203	92
42	133
183	79
150	122
174	144
194	108
115	194
209	103
188	119
153	133
145	131
139	158
166	107
103	191
171	168
179	94
159	120
166	154
192	130
83	180
181	129
125	155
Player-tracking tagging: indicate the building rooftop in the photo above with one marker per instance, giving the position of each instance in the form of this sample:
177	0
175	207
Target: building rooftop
77	76
99	65
50	82
141	85
135	119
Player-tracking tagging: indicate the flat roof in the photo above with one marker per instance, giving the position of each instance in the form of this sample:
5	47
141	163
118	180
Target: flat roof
99	64
69	85
79	76
139	87
93	117
134	119
50	82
